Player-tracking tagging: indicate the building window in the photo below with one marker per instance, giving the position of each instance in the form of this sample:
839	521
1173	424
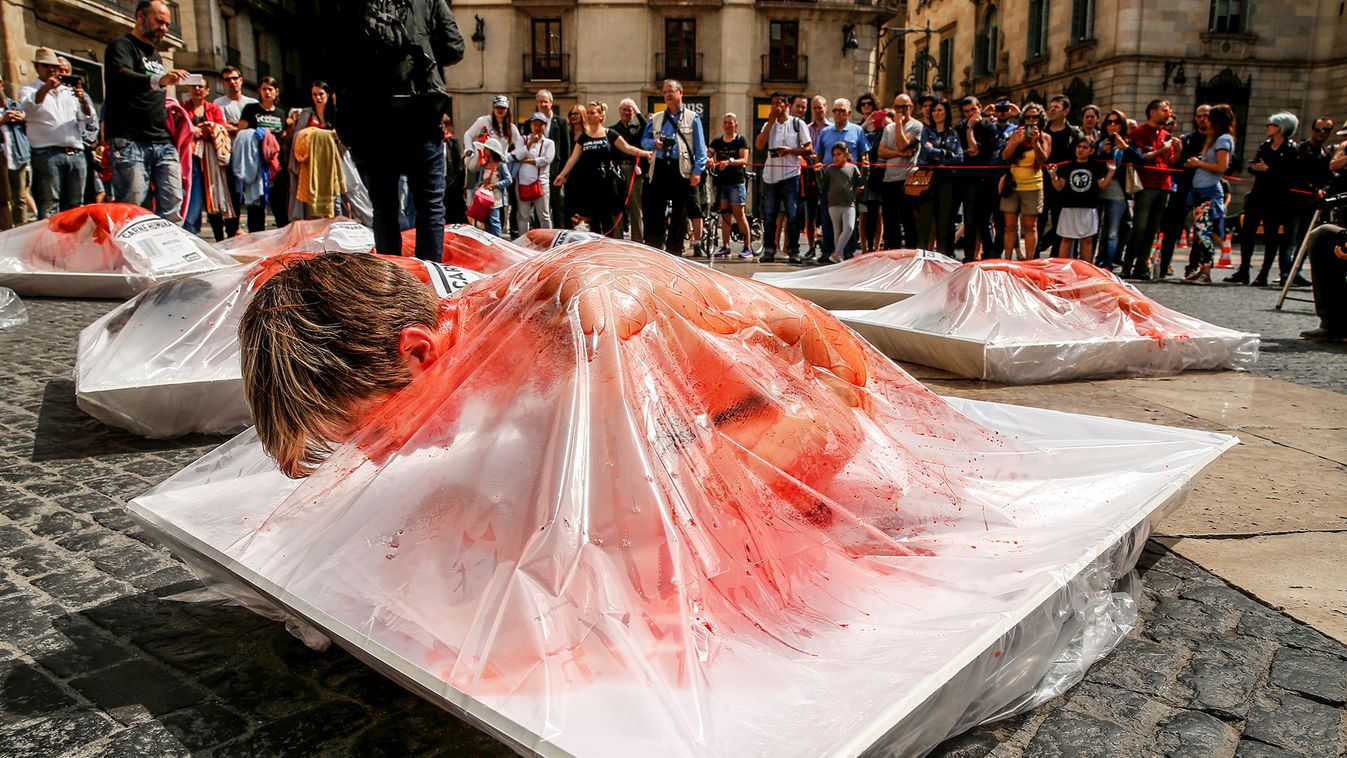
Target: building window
783	62
680	49
984	44
1229	16
1038	28
947	63
1082	20
546	58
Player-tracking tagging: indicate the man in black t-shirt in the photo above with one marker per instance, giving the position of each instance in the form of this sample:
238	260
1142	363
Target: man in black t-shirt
978	191
135	118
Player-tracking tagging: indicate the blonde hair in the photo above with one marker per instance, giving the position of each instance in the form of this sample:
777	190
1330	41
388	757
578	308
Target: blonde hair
320	339
603	107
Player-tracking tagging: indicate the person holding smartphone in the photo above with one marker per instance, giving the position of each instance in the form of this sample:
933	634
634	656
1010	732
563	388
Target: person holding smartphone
56	120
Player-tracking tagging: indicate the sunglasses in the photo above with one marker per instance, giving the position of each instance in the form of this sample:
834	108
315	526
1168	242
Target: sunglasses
1323	129
839	110
233	78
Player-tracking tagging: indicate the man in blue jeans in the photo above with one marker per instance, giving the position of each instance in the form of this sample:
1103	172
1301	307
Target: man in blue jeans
135	118
397	80
785	138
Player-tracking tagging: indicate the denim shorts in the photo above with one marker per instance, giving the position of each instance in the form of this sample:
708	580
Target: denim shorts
734	194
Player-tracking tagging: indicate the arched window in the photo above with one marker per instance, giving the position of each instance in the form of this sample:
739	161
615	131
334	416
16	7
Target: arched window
984	44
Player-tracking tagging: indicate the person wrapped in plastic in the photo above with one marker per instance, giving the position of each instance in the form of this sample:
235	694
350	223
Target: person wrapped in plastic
468	247
101	250
607	481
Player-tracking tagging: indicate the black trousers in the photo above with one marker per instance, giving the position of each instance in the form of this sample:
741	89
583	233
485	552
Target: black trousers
1330	278
900	216
667	187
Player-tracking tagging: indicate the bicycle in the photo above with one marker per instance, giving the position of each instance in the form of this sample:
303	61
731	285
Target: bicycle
711	230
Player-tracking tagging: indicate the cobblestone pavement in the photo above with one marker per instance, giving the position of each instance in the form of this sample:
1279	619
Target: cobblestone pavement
95	661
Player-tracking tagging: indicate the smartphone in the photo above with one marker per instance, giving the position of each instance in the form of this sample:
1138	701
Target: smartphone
193	80
70	81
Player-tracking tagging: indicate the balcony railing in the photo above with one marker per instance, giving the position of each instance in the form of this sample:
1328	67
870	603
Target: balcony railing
553	67
128	9
778	69
685	67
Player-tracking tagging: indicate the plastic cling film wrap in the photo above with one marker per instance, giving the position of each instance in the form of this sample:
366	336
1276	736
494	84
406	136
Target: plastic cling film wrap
101	250
633	486
868	281
472	248
166	363
12	310
322	235
1053	319
546	239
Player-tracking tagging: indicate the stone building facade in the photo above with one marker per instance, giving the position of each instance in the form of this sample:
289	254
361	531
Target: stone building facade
1261	57
729	54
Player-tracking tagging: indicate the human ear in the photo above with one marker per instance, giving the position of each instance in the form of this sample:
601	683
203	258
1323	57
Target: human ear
419	349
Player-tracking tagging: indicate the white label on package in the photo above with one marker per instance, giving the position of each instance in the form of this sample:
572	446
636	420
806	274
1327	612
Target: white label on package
153	245
448	280
930	255
349	237
567	236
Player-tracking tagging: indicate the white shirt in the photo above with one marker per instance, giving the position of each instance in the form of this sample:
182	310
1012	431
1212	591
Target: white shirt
543	151
898	168
790	133
233	108
58	121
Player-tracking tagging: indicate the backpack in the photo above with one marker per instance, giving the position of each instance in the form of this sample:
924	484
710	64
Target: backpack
403	64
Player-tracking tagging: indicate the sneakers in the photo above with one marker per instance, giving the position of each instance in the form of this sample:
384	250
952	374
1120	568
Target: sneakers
1323	335
723	252
746	253
768	256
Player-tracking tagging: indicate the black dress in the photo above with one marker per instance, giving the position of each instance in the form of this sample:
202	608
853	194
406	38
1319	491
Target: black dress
590	188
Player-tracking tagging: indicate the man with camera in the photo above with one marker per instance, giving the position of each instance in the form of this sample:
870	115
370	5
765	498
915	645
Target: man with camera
57	114
135	117
675	136
785	138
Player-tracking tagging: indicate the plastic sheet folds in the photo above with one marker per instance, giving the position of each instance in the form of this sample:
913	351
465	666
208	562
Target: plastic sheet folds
471	248
111	250
12	310
166	363
1052	319
320	235
643	508
868	281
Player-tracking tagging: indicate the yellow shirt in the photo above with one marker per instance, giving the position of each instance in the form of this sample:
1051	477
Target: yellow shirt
1028	176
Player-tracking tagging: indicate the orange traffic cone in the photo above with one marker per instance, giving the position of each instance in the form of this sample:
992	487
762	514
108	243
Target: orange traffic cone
1224	261
1183	240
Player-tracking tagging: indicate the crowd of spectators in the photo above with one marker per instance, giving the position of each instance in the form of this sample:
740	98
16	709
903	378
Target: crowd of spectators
964	178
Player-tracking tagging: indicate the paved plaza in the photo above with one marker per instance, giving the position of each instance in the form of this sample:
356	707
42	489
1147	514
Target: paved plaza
1236	654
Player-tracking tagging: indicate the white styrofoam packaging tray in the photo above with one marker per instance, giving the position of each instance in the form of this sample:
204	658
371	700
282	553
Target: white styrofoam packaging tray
1006	609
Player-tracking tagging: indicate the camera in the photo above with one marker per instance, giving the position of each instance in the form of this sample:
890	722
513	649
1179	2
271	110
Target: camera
70	81
664	141
1002	106
775	152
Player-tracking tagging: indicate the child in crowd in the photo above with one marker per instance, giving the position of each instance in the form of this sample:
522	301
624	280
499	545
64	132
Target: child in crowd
1079	182
839	183
494	177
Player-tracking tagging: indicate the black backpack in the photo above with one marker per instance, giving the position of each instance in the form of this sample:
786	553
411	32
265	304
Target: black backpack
403	64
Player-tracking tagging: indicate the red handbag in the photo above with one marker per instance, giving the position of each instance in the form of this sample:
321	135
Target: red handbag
483	200
531	191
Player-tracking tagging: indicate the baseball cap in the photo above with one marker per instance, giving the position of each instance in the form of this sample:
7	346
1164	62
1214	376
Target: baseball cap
538	117
500	101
